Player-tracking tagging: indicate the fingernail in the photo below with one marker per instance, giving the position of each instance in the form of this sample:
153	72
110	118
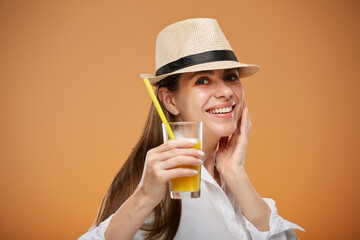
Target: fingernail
200	161
201	153
195	172
193	141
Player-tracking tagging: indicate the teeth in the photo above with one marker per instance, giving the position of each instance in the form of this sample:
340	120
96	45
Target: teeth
221	110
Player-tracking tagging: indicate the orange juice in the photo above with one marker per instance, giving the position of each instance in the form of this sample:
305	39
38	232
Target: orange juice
188	184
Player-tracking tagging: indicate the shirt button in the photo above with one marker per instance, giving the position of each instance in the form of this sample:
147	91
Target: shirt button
241	235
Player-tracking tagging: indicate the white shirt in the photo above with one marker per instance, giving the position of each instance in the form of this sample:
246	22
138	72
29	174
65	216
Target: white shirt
215	215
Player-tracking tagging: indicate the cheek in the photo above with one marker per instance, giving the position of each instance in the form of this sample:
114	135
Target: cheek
201	98
200	101
239	92
192	106
194	109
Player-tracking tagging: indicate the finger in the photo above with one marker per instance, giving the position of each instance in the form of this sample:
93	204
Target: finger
179	172
223	143
177	143
179	152
245	122
238	127
180	160
244	114
241	124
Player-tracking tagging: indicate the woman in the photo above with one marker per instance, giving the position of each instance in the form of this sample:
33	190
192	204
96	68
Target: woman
197	79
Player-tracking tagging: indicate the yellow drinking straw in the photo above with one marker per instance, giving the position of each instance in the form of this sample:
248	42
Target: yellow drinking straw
158	108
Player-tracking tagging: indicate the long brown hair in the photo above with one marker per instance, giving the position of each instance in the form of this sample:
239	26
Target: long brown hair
168	212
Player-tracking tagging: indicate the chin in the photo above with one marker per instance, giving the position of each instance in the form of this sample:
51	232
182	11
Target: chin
227	132
221	130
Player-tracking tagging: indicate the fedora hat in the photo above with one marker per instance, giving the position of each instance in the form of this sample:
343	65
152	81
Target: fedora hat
194	45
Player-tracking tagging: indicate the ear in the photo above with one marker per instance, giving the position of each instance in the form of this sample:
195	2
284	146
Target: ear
167	99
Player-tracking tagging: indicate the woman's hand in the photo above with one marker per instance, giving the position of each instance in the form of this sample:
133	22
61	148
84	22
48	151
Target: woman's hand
230	158
158	170
160	166
230	162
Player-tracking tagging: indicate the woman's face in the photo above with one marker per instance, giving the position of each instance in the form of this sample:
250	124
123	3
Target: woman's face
214	97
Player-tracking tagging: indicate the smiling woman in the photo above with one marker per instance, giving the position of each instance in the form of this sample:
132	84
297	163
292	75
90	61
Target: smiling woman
214	97
197	79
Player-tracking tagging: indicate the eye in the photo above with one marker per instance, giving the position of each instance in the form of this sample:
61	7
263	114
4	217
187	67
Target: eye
232	78
202	81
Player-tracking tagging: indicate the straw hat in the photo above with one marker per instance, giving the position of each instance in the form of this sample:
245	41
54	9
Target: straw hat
194	45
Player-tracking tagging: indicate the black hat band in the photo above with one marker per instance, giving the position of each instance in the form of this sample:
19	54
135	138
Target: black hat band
195	59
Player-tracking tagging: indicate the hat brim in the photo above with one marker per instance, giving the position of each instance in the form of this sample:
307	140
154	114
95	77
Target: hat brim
245	70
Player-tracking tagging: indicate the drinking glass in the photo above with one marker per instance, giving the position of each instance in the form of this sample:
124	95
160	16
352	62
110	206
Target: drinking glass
186	187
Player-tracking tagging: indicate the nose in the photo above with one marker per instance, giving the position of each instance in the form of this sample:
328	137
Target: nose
222	90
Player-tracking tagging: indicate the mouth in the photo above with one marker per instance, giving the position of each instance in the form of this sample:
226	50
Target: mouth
222	109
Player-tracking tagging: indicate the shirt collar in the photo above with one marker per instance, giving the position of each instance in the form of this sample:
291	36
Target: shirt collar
205	175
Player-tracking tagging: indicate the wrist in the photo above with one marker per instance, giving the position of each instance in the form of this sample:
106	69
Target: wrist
143	200
234	174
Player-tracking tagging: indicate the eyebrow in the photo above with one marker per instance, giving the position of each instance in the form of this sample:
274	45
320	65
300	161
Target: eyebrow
211	72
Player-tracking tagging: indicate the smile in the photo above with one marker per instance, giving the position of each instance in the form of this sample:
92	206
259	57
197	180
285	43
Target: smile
220	110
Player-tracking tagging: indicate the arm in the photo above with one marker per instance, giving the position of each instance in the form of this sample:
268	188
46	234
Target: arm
158	170
131	214
261	217
252	205
230	162
279	227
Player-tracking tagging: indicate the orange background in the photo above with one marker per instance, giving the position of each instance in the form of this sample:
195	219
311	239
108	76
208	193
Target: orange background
72	106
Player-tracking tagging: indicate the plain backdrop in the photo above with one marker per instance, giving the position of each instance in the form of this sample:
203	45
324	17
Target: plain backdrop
72	106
